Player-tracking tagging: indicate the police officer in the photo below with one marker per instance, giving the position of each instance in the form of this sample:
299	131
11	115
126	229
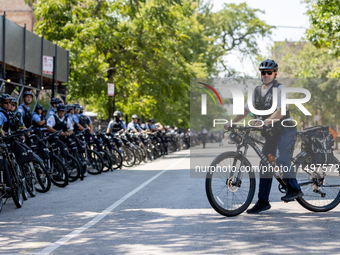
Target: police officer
54	103
85	121
14	105
76	113
150	126
116	124
38	121
60	122
122	120
279	139
8	121
133	125
24	109
204	132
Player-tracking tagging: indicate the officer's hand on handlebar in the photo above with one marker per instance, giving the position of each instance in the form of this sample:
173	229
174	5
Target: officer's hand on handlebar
227	126
258	124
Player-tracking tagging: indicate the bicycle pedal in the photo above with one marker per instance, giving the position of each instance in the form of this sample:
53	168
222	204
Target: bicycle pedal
289	201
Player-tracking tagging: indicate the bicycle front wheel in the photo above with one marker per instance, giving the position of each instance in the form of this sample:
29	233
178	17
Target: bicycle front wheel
230	185
95	162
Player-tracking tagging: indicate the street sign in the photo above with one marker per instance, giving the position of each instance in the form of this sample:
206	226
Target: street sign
316	117
47	65
110	89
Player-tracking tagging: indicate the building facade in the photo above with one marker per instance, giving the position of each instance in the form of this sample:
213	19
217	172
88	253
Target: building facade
19	12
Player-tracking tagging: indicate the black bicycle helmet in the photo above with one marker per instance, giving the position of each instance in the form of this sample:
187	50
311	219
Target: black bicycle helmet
269	64
69	107
44	109
55	100
39	107
28	93
153	121
76	106
6	97
61	107
14	100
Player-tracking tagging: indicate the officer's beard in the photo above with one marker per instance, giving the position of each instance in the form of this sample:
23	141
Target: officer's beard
267	81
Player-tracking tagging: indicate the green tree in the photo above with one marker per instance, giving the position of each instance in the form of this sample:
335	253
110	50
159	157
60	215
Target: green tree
149	49
324	17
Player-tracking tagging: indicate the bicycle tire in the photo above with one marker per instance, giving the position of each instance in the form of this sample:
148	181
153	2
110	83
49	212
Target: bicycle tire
96	161
117	159
107	161
149	152
128	157
16	193
43	177
136	154
30	180
1	202
311	193
81	164
142	150
73	168
229	180
58	174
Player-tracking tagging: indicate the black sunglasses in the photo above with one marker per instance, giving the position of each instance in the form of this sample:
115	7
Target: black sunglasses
268	72
6	102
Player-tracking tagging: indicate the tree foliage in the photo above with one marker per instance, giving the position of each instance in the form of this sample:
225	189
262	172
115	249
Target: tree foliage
324	16
149	49
309	67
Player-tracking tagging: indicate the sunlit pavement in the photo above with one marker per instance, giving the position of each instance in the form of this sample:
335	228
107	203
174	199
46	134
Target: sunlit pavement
170	214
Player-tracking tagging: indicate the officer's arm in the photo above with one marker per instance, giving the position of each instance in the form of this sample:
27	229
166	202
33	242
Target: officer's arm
241	116
276	116
2	131
91	128
51	129
41	122
81	128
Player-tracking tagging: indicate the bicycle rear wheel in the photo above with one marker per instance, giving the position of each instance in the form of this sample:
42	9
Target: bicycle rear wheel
117	159
30	180
17	184
73	168
228	194
44	180
128	157
58	172
107	160
321	188
95	162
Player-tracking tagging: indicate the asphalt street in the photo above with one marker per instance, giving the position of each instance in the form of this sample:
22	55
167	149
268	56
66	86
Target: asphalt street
158	208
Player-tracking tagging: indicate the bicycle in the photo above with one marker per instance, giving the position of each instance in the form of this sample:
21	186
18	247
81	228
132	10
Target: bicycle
231	190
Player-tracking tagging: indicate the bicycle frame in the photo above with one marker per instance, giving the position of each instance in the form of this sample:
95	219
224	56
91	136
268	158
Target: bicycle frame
247	141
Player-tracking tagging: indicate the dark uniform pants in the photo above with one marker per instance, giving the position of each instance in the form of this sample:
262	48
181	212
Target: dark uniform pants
280	147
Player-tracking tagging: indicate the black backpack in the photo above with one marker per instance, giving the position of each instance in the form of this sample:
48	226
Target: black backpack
319	141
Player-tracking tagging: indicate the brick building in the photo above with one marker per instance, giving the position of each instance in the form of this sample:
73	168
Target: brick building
18	12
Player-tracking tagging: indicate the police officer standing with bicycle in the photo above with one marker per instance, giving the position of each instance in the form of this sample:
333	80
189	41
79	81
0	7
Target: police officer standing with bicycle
279	138
24	109
116	124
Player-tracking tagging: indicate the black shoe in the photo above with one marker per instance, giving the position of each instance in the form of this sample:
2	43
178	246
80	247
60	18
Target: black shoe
259	207
292	195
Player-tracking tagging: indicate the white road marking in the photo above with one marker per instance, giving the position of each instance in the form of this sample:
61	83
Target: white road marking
99	217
